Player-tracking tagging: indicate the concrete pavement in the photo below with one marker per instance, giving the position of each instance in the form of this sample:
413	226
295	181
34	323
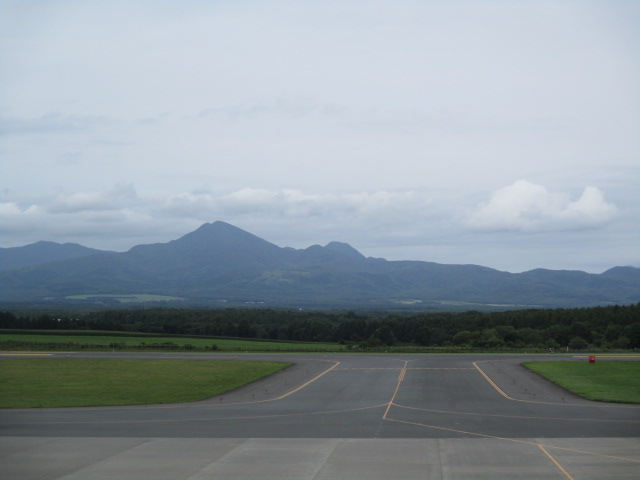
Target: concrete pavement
428	417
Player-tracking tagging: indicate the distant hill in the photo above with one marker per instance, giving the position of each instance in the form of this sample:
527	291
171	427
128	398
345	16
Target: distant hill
221	265
41	252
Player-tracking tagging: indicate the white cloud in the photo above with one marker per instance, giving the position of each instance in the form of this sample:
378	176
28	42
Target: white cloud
397	225
114	199
52	123
528	207
294	204
382	124
9	209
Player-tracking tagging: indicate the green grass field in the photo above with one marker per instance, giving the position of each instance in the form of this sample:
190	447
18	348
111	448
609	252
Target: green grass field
53	382
75	342
127	298
604	381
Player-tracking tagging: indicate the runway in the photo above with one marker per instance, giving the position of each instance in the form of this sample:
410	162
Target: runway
340	416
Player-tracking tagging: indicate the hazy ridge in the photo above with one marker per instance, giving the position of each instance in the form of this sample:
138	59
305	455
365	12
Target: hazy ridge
220	265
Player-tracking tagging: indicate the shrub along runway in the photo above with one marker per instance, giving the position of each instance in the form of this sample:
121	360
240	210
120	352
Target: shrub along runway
444	416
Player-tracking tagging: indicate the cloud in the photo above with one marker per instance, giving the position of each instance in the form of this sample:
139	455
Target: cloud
294	204
527	207
52	123
284	216
118	197
395	224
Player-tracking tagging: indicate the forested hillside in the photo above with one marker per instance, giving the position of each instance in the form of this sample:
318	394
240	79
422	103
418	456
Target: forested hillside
221	265
602	327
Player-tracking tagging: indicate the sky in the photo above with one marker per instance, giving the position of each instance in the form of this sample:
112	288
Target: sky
500	133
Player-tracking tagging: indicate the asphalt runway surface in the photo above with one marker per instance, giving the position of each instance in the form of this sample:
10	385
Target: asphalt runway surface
341	417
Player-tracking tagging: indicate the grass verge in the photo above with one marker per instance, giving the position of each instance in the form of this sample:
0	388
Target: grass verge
52	382
605	381
138	342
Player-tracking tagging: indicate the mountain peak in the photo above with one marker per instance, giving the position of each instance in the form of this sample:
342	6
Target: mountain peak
219	262
219	226
344	249
221	245
220	233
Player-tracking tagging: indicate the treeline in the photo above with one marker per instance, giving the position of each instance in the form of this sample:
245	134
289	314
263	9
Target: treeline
602	327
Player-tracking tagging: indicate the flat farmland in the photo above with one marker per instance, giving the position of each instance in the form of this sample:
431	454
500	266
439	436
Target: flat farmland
140	342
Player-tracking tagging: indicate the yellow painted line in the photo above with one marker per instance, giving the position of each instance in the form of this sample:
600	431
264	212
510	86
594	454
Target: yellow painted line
590	405
307	383
556	463
527	442
367	368
281	396
440	368
498	389
403	372
524	417
400	368
573	450
198	404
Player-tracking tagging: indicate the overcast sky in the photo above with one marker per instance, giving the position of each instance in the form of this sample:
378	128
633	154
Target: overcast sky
499	133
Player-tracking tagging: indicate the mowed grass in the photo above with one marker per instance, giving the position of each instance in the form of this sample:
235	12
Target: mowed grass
604	381
72	342
55	382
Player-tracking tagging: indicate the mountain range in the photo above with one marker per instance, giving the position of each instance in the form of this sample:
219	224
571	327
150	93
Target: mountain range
221	265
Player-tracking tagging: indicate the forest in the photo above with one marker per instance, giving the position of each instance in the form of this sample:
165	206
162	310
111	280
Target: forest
616	326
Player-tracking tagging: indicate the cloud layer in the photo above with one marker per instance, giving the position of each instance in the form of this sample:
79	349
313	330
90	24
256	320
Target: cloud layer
411	224
399	127
527	207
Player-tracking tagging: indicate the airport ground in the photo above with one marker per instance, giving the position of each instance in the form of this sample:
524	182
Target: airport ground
339	417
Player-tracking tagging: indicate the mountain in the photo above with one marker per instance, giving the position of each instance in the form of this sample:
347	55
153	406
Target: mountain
41	252
222	265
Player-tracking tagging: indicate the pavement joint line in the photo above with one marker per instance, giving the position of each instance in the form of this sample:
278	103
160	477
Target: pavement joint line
527	442
203	419
516	416
590	405
557	464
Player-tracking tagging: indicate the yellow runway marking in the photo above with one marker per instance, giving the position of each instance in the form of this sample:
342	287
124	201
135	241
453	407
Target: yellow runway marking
590	405
199	404
527	442
403	372
498	389
515	416
440	368
556	463
306	384
483	435
407	368
367	368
